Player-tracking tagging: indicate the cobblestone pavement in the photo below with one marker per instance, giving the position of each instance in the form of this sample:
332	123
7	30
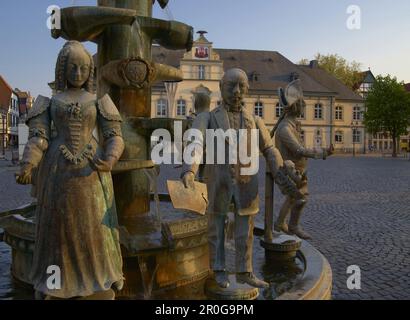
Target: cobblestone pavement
358	213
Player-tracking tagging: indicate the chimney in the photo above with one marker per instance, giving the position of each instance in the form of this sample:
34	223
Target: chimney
314	64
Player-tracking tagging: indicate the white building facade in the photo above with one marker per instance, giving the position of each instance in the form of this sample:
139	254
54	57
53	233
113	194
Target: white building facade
333	115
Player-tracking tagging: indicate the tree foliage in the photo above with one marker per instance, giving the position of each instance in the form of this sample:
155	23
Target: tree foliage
388	108
347	72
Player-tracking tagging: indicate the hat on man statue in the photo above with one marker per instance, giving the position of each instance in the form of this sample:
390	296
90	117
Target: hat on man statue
291	94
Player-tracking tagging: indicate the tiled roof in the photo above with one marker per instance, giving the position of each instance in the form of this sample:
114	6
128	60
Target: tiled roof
365	77
331	82
5	94
273	70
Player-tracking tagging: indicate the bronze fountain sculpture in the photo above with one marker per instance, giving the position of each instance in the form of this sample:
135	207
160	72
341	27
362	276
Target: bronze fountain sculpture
159	254
291	147
77	227
227	184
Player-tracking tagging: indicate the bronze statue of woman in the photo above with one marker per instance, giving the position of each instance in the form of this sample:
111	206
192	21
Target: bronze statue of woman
77	227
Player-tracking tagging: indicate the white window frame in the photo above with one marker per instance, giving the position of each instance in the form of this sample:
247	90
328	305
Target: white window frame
181	108
302	136
278	110
258	109
357	113
339	134
162	108
339	113
357	136
201	72
318	111
303	114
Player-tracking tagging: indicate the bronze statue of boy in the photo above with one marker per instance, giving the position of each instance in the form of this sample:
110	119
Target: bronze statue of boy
288	141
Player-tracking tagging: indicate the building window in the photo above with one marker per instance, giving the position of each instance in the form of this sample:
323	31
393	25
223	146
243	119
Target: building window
339	137
302	113
318	138
162	107
365	87
302	136
357	136
339	113
181	108
279	110
318	111
357	113
259	109
201	72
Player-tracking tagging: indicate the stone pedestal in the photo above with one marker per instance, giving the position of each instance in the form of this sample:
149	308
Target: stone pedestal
235	291
99	296
282	247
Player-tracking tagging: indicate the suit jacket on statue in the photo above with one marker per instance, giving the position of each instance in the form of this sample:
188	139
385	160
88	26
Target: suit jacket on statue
225	182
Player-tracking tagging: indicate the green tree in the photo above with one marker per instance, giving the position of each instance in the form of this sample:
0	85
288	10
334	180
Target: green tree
388	109
347	72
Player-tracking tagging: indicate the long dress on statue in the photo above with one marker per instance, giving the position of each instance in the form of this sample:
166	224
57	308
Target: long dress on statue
77	227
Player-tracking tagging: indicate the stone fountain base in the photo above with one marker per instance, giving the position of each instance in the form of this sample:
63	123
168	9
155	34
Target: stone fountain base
179	270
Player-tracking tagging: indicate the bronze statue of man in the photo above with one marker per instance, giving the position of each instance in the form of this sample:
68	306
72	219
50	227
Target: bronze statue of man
227	185
288	141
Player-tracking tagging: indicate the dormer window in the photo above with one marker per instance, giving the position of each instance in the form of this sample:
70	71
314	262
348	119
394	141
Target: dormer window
294	76
255	76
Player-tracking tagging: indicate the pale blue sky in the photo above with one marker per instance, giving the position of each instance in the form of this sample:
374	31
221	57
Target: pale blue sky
295	28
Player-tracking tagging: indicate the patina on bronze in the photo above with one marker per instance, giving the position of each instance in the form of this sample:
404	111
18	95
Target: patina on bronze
77	228
125	31
288	141
226	184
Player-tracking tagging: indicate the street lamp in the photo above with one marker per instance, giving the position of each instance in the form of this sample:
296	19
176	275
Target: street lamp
3	114
355	126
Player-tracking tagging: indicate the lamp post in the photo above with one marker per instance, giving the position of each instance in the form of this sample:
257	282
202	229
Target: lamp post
355	126
4	132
